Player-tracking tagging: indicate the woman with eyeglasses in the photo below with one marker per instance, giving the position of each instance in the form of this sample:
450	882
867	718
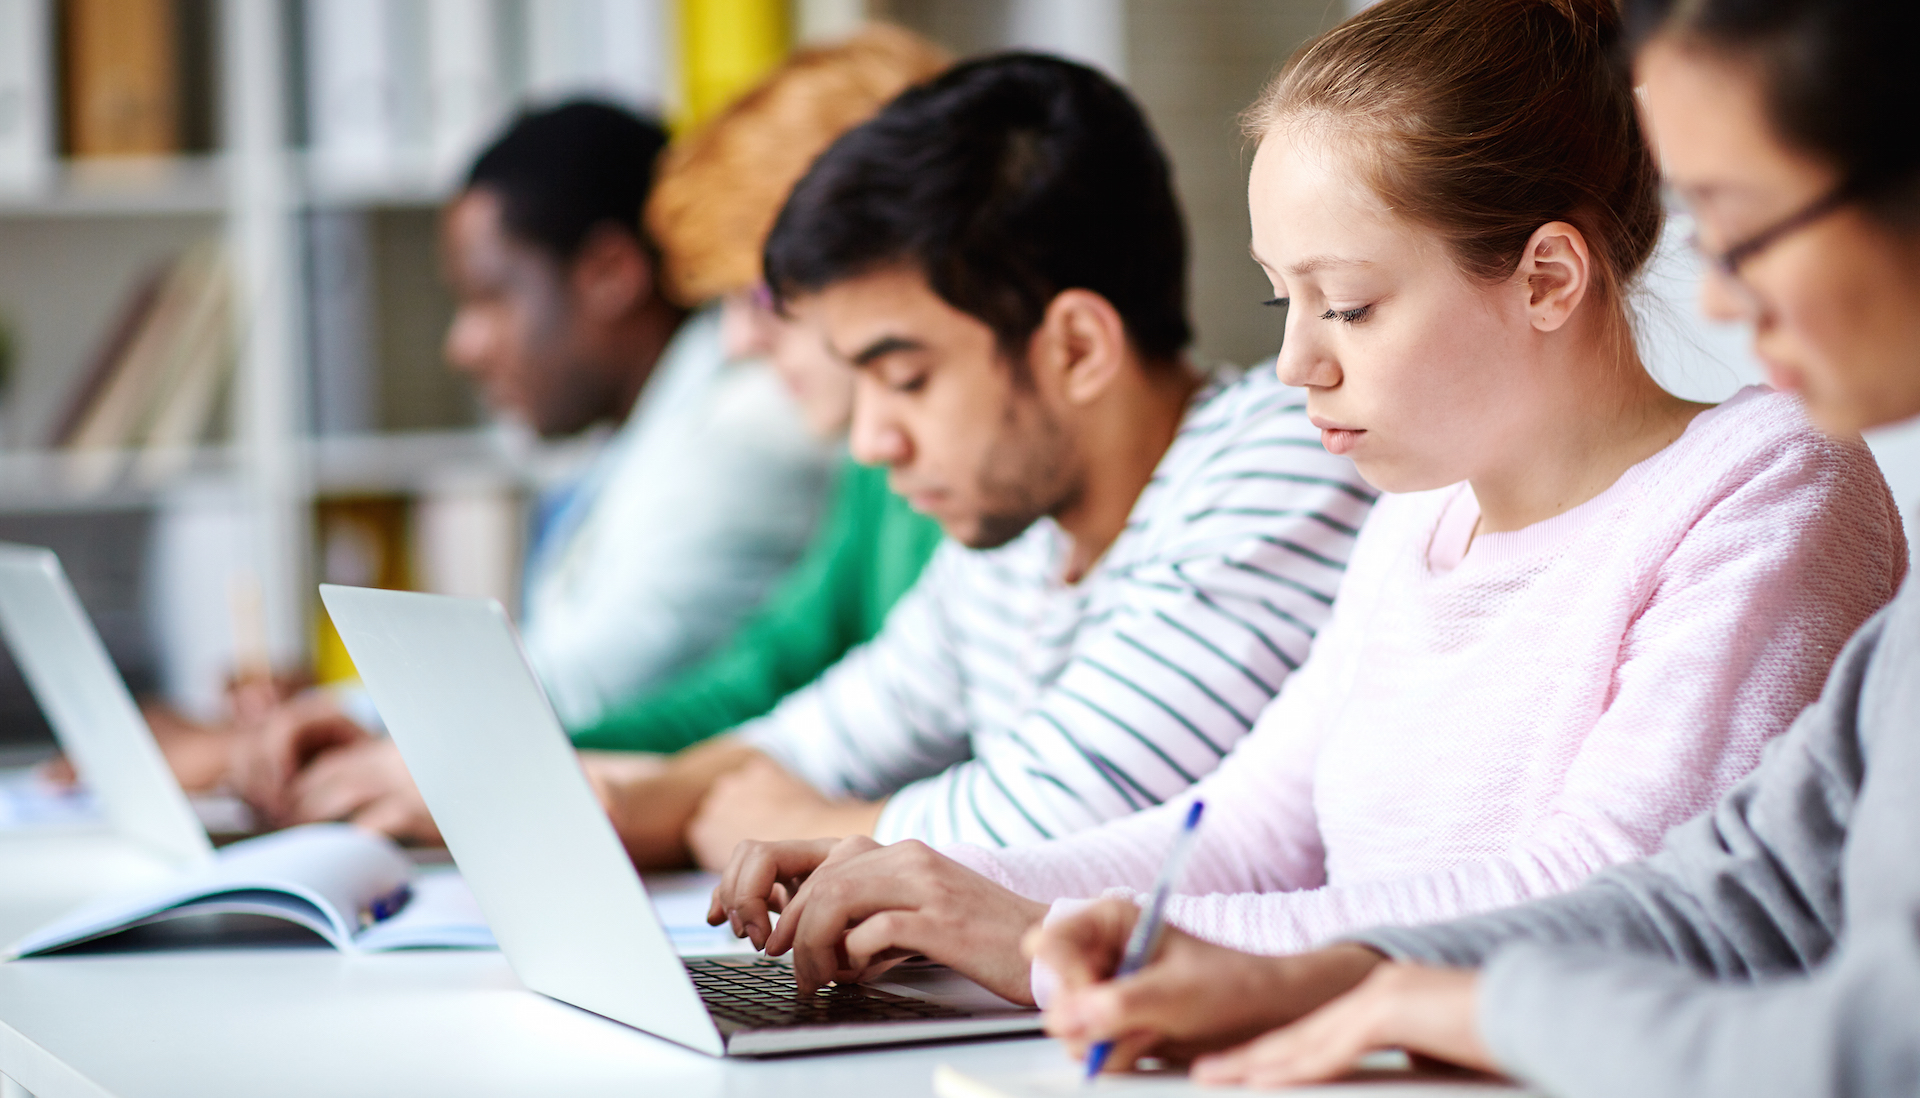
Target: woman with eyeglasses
1772	947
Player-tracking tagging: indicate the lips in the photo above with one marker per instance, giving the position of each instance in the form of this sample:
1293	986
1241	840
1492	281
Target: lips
1337	439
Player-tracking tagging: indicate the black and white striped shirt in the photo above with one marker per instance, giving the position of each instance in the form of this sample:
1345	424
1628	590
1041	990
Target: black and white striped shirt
1001	706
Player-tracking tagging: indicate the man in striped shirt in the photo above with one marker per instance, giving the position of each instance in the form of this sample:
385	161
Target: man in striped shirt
1138	555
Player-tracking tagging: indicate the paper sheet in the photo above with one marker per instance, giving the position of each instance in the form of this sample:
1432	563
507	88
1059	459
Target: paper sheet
29	802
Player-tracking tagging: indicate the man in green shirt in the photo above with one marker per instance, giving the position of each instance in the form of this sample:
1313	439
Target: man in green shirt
868	553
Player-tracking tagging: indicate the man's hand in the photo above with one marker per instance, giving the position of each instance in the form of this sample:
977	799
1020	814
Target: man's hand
864	907
651	798
1193	997
196	753
365	783
1429	1011
265	761
761	800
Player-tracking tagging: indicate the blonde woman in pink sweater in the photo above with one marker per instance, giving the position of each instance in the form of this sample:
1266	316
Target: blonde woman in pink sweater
1580	612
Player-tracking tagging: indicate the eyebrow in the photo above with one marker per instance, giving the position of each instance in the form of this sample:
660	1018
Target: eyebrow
882	347
1316	262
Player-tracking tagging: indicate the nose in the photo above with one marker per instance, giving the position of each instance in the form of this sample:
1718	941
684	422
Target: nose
1304	360
874	437
469	340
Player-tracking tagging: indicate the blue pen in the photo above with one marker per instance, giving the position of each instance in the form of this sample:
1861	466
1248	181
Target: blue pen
1146	932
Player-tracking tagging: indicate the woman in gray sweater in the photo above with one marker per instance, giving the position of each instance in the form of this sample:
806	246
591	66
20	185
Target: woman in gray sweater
1773	946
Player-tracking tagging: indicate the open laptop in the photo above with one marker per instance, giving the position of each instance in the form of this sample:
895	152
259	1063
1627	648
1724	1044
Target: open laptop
497	771
92	714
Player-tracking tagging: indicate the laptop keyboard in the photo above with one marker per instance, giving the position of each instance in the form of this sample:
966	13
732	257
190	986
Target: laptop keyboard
760	994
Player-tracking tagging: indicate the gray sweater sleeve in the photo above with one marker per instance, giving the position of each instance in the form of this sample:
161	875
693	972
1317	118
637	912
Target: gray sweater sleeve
1769	948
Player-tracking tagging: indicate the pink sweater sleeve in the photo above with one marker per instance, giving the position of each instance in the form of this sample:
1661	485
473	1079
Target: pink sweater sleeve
1736	635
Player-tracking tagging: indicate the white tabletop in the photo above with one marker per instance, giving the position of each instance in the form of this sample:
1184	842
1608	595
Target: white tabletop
297	1020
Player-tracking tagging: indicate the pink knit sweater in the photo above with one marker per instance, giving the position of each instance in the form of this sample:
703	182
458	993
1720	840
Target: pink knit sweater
1477	726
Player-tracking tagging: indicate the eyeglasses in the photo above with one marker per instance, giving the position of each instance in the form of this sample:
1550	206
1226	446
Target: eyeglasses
1729	262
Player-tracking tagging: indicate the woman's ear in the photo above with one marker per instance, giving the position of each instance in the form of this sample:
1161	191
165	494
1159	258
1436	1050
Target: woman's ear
1557	270
1081	345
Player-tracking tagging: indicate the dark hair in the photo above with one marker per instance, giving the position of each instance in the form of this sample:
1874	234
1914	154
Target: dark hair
1006	181
1839	77
564	171
1486	119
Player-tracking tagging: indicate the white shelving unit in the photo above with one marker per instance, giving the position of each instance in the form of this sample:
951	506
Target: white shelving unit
71	247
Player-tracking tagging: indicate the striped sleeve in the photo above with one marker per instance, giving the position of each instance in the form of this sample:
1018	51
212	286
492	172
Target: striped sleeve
891	711
1172	668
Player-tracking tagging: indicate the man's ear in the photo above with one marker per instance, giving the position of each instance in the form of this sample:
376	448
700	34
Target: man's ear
1081	344
611	275
1557	270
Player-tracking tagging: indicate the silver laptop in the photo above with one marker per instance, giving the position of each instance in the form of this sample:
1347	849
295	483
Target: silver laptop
92	714
497	771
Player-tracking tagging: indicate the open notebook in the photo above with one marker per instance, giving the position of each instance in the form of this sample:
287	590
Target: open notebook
353	888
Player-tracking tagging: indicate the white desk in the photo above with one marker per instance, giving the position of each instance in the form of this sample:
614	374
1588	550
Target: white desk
311	1021
300	1021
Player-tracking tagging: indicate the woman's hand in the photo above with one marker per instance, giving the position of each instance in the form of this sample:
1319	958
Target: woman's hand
761	877
862	908
1429	1011
1194	997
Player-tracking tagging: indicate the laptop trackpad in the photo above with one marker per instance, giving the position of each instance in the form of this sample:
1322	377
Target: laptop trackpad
942	985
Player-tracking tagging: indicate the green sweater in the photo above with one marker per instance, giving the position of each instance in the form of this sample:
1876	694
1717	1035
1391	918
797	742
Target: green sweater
870	550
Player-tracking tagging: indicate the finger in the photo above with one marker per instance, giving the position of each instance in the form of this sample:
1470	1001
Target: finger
753	872
1084	948
857	882
1143	1002
1128	1050
58	771
1326	1044
884	940
739	901
838	851
398	817
333	788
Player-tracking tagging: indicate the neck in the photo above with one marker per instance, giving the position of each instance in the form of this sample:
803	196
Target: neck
1598	417
1120	445
634	347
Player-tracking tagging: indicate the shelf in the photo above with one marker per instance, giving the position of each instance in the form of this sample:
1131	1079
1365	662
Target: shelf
402	463
132	187
197	186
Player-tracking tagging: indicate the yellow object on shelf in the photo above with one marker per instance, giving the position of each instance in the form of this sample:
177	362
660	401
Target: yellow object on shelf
726	46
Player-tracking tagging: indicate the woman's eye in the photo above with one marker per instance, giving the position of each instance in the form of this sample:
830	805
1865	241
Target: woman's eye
1277	302
1347	316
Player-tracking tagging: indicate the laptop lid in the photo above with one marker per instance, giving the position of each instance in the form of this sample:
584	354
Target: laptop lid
503	783
93	716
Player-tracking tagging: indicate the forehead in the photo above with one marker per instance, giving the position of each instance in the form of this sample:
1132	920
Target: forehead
478	244
1309	203
1706	117
893	303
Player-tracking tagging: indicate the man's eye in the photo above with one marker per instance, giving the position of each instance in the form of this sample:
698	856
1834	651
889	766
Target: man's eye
1347	316
911	384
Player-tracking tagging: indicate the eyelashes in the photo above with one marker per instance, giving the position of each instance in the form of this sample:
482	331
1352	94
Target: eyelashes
1347	316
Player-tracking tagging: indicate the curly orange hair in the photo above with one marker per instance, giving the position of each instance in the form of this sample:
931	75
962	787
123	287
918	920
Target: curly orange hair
719	189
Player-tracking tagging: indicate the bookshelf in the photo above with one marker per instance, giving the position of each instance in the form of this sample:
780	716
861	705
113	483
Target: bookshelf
193	532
